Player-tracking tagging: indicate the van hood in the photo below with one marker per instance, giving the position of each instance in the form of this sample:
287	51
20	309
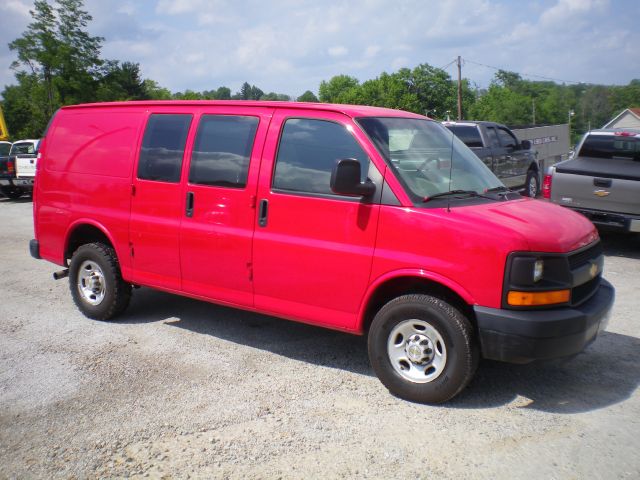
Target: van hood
544	226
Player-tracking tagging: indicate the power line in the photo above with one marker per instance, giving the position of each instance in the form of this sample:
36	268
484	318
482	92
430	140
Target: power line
448	64
524	74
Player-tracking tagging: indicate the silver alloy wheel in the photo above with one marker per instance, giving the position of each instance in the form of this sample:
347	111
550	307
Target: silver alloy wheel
91	283
416	351
532	186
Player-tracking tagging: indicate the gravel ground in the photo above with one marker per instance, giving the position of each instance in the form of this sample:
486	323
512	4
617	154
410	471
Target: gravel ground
181	388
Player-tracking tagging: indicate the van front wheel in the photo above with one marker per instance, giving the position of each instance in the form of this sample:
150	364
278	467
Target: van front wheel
96	283
422	348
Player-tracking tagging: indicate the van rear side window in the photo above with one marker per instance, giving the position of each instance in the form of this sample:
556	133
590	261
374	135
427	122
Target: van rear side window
222	150
163	147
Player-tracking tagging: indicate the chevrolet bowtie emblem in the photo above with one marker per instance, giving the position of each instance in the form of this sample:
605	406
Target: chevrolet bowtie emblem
593	271
601	193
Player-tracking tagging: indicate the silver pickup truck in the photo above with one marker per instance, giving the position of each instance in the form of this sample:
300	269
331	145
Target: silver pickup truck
602	180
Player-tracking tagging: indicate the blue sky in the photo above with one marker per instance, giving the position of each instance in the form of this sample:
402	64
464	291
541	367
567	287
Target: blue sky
289	46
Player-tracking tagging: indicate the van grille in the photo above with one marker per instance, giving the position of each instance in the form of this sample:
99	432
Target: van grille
583	292
581	257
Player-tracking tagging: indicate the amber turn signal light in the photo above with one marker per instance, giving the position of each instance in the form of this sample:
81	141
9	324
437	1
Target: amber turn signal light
526	299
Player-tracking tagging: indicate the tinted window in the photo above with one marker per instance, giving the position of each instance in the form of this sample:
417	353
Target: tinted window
468	134
308	151
23	148
5	148
163	147
222	150
609	146
493	137
506	139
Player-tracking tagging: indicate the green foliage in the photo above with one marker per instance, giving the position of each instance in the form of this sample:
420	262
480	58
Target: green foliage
307	96
339	89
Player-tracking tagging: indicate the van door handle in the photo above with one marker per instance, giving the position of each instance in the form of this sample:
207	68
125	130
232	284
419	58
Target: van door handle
602	182
190	198
262	212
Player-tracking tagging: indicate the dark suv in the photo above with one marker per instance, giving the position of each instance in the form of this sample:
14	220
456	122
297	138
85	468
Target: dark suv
512	161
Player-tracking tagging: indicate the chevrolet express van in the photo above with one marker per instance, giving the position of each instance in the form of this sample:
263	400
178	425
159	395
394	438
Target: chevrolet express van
366	220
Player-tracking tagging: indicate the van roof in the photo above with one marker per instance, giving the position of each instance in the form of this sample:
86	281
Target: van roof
349	110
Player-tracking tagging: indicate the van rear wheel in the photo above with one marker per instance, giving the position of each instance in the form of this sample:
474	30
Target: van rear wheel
96	283
422	348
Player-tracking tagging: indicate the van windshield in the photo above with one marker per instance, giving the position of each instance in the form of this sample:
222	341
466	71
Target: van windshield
427	158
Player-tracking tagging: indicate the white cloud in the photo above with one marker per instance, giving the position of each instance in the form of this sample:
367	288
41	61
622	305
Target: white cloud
338	51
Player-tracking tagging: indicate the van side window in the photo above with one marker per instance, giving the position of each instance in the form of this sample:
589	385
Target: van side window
163	147
222	150
308	151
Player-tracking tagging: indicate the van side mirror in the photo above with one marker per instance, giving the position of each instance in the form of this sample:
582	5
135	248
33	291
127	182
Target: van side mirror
525	144
345	179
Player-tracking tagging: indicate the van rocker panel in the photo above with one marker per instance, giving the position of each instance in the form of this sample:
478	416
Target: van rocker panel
525	336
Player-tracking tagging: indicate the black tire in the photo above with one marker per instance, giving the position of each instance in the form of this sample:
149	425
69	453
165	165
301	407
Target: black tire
459	347
532	185
12	192
114	293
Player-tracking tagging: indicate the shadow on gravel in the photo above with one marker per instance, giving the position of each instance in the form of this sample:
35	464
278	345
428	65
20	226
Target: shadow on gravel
608	372
22	199
294	340
621	244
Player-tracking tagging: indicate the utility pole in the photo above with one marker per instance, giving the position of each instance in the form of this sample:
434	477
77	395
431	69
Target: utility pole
533	110
459	89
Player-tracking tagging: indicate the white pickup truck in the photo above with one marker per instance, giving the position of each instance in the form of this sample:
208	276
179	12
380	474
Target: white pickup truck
18	170
602	180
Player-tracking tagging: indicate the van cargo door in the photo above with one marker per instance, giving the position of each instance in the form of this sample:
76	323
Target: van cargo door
218	219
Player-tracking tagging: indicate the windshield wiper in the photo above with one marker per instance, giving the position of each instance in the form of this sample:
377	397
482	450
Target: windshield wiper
501	188
471	193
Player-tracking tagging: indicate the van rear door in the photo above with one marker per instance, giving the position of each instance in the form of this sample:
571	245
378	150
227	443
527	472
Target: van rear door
218	218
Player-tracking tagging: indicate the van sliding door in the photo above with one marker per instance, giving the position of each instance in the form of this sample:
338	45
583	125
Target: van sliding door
218	220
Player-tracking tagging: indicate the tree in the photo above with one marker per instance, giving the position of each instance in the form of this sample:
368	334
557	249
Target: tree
153	91
38	49
121	82
338	89
307	96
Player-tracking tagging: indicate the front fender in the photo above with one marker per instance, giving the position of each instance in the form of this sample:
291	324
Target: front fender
410	273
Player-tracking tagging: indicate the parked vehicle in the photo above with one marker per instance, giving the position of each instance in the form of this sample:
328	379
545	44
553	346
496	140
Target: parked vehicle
7	172
18	170
601	180
5	148
512	161
361	219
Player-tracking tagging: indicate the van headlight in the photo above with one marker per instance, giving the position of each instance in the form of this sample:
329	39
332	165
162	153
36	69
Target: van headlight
536	280
538	270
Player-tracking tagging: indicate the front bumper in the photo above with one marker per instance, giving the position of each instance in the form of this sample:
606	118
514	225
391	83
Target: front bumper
615	221
524	336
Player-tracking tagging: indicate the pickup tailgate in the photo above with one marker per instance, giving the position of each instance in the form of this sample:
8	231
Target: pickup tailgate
605	184
26	165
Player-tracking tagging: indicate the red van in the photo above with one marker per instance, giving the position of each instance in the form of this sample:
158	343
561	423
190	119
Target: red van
361	219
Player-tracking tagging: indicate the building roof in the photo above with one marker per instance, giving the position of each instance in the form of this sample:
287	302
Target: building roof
634	111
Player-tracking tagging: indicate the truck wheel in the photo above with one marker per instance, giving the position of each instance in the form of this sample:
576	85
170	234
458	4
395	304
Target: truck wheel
96	283
532	185
422	348
12	192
